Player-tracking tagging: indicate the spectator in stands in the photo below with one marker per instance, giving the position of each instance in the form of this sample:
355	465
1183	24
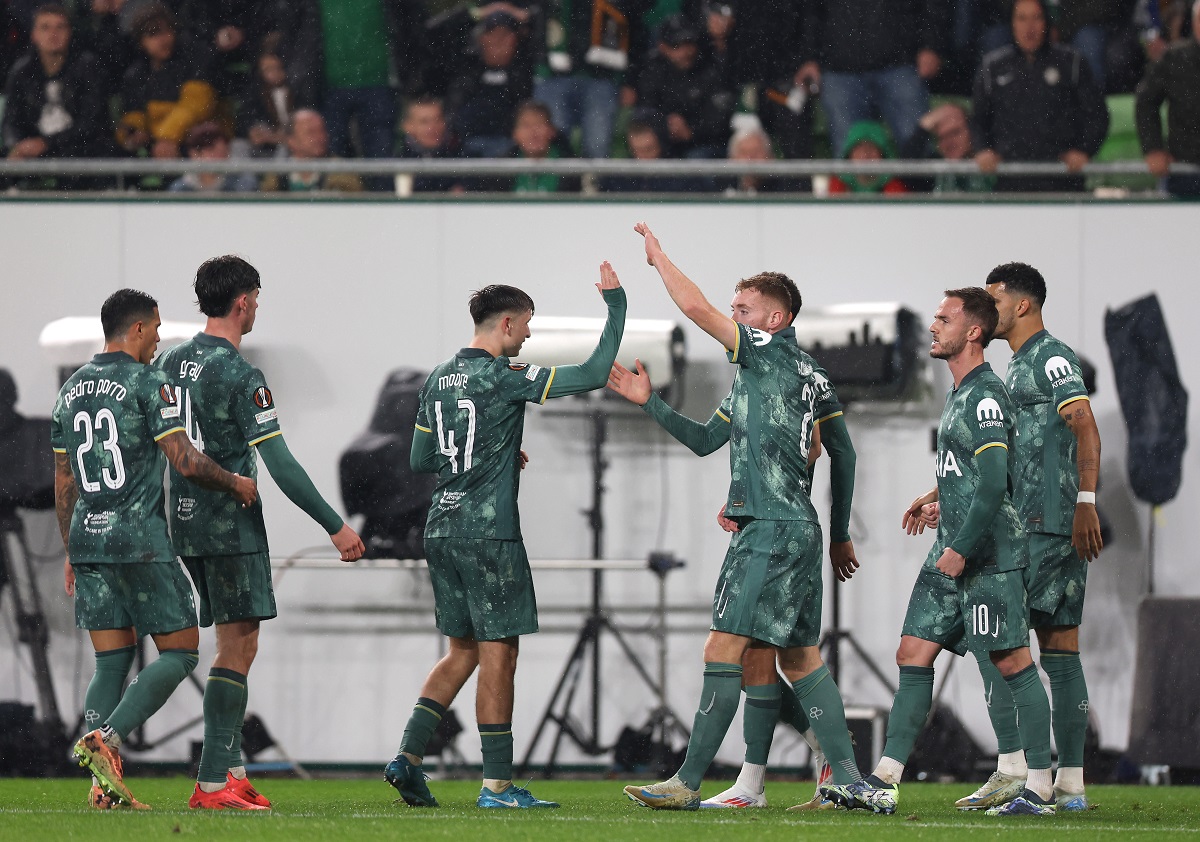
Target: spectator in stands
535	138
867	141
1036	101
427	136
484	95
166	91
1174	80
1098	29
308	140
945	133
101	34
52	108
753	144
1163	23
756	46
266	107
646	143
232	31
873	59
340	55
207	142
592	47
691	96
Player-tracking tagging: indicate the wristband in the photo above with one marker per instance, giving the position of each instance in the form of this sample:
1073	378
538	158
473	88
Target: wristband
1086	497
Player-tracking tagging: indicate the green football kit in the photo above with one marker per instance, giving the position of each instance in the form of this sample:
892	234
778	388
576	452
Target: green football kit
1044	377
107	420
770	583
469	427
227	409
977	516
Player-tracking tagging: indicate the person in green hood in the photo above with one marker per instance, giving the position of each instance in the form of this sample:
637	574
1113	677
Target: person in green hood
867	141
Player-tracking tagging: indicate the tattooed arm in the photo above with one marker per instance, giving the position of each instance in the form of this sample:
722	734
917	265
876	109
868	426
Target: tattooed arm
1085	531
65	497
205	472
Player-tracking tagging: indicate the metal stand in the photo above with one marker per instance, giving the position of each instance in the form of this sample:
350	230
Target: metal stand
831	640
587	643
33	631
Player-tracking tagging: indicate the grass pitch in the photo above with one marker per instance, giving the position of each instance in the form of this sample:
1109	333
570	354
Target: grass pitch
332	810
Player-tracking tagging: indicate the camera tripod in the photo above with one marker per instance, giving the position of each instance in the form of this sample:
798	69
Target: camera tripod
663	722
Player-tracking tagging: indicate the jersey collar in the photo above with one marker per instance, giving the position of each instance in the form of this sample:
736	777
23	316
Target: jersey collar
973	373
214	341
473	352
112	357
1030	342
788	332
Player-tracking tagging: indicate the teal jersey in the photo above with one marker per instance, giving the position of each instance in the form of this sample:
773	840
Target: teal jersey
227	409
978	416
474	405
107	420
772	410
1043	377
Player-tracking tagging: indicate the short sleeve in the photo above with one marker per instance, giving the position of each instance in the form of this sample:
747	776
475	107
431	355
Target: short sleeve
253	407
160	404
725	410
525	382
422	422
747	346
826	405
58	442
1063	377
990	416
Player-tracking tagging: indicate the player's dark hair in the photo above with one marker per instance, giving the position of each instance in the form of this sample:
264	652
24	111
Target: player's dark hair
776	286
1022	278
121	309
980	309
496	299
220	280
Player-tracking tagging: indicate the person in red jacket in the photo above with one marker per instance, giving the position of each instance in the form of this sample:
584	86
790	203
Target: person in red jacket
867	141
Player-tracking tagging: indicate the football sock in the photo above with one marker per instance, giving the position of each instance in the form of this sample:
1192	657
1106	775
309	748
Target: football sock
239	722
753	777
426	716
888	771
151	689
1001	708
224	698
1039	783
1012	763
497	743
1033	718
790	710
821	701
758	721
1069	779
910	709
718	703
1069	692
104	690
496	785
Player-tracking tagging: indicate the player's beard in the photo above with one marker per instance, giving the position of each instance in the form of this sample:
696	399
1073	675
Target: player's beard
946	350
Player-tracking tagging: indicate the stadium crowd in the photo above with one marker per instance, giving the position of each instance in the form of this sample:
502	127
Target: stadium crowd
747	80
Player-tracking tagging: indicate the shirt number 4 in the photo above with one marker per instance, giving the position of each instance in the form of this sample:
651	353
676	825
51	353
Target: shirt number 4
446	434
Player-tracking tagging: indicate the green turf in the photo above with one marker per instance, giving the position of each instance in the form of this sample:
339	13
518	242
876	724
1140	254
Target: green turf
332	810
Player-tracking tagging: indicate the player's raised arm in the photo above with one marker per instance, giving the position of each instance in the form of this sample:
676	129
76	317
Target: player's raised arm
1085	530
592	373
206	473
686	295
701	439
